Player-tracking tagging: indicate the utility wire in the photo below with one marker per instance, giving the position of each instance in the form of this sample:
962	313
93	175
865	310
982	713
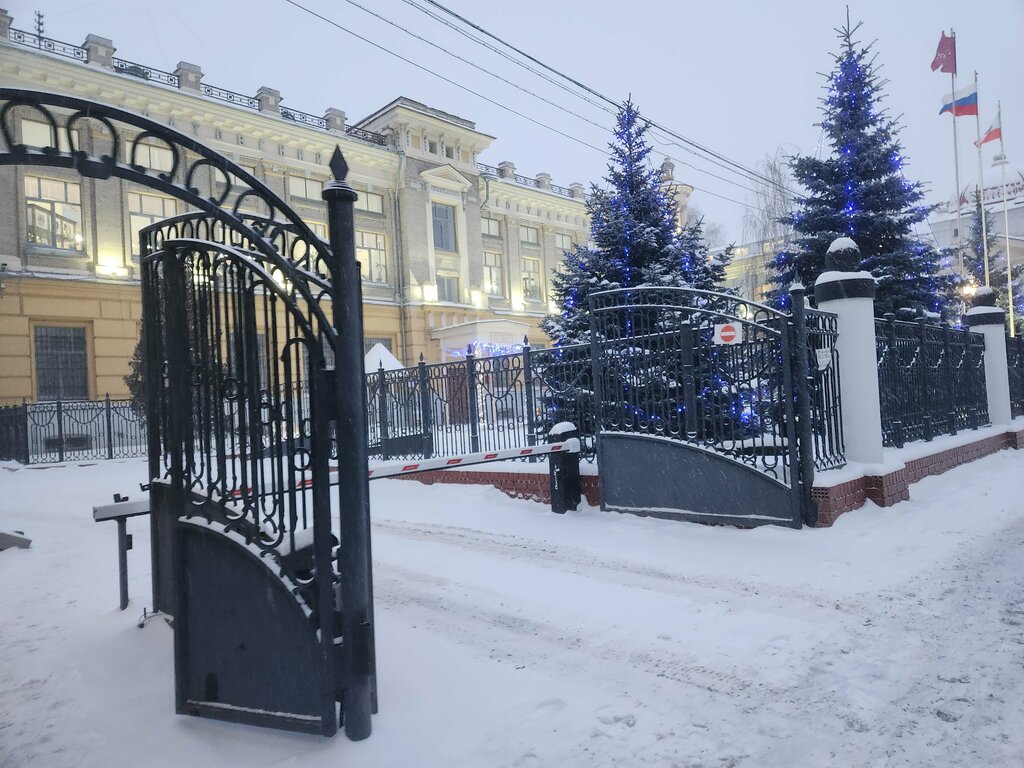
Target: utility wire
736	167
527	91
477	93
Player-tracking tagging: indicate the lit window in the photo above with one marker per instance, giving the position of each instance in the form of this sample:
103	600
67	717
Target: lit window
372	257
151	155
563	242
145	209
54	213
529	235
307	189
37	134
320	230
62	368
444	227
370	202
490	227
493	278
531	280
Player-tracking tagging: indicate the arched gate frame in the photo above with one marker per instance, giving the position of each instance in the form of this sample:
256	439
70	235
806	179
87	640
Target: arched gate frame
254	372
700	428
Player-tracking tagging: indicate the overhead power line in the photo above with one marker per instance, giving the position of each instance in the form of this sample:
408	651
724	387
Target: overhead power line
489	100
734	166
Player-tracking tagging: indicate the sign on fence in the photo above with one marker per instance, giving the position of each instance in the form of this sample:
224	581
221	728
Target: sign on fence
728	333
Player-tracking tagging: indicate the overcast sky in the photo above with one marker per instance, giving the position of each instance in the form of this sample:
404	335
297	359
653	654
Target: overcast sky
739	76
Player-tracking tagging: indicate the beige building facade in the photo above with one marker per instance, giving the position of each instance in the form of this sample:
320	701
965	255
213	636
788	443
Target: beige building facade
454	252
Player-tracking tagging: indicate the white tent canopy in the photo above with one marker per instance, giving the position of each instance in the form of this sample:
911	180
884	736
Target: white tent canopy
378	356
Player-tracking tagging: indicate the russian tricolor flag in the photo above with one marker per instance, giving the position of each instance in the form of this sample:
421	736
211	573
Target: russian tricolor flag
963	102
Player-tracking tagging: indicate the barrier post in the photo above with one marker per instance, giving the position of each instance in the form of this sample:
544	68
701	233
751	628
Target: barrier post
564	471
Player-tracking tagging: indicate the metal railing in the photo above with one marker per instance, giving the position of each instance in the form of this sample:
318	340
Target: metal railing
523	181
144	72
31	40
824	389
931	380
71	430
1015	366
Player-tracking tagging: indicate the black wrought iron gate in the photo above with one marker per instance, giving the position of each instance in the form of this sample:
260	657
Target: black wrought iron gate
253	351
703	406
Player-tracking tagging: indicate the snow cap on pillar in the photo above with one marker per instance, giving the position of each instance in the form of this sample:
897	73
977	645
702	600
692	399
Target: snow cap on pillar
841	280
983	309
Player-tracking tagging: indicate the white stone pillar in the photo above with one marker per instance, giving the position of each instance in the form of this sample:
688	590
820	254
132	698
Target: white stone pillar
850	295
990	321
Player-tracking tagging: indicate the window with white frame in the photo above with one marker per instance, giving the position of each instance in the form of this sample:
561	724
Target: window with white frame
54	213
62	365
145	209
320	230
237	185
370	202
444	227
372	256
306	189
494	282
563	242
490	227
35	133
531	280
529	235
448	288
151	155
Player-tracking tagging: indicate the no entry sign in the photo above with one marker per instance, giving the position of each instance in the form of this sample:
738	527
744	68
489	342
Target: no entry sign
728	333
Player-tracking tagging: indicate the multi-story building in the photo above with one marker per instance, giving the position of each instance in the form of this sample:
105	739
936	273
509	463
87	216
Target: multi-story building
454	252
749	271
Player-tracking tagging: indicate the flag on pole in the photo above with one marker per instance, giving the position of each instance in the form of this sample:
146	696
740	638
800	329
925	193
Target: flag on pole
963	102
995	131
945	56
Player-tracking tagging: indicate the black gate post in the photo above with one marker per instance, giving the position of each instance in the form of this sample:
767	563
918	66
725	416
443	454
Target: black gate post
803	403
382	411
471	399
531	416
947	351
426	410
353	480
24	434
110	427
60	430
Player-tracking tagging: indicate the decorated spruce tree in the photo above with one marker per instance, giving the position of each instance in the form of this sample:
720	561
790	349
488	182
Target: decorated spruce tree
859	191
635	239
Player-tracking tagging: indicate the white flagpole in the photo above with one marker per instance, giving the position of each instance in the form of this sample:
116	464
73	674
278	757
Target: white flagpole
956	165
1006	220
981	182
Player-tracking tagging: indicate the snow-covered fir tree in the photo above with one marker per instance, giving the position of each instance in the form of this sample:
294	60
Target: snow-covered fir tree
974	261
635	238
859	191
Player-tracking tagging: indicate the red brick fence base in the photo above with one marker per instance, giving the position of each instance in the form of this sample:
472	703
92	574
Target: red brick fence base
832	500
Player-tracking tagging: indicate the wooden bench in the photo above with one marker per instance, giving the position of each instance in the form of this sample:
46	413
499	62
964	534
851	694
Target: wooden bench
120	511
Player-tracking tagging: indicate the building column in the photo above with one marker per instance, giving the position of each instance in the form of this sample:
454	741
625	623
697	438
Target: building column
851	296
989	320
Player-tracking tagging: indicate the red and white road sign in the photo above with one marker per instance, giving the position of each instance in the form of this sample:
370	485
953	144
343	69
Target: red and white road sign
728	333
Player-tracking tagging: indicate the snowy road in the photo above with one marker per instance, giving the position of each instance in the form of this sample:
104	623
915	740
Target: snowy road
508	636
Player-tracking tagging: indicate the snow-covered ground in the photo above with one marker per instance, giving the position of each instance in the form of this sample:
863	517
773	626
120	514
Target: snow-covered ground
508	636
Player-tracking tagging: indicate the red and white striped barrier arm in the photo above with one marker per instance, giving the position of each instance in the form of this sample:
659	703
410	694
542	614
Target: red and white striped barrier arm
572	445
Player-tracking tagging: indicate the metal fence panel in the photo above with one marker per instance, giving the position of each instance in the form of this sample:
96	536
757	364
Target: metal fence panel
1015	364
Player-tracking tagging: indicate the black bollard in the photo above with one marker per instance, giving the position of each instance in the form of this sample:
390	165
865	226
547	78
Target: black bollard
564	470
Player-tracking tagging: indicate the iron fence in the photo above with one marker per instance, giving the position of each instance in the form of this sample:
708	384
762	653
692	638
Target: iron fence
71	430
824	389
1015	364
931	380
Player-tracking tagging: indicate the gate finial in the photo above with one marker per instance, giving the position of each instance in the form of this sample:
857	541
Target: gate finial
338	165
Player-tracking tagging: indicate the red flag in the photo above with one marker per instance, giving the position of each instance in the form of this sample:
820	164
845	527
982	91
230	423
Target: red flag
995	131
945	55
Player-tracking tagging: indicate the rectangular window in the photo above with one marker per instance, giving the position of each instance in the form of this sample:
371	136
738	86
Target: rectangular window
307	189
151	155
563	242
448	288
490	227
531	280
370	202
320	230
37	134
432	147
54	213
444	227
237	185
62	367
372	256
449	152
370	341
529	235
494	282
145	209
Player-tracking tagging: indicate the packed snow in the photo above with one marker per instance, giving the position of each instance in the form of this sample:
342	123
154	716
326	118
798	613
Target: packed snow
509	636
